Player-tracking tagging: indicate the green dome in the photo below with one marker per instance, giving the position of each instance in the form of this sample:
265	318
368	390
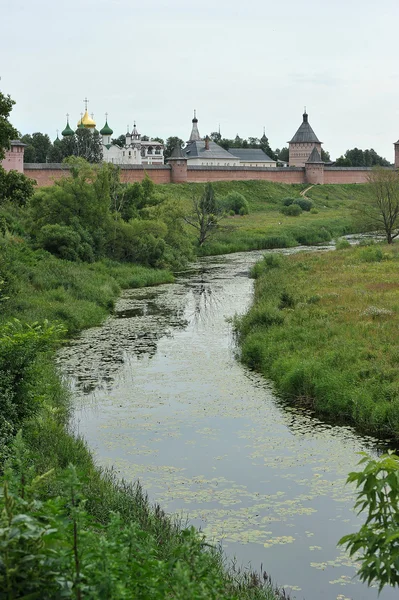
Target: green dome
67	131
80	126
106	130
57	141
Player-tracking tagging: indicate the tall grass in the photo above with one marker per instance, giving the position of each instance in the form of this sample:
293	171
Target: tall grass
41	286
322	327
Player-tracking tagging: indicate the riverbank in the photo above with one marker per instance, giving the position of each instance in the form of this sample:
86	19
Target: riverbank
40	486
322	328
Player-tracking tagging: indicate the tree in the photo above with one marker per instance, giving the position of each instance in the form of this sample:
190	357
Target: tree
380	211
119	141
171	143
325	155
378	538
15	187
7	131
215	136
361	158
38	147
283	154
205	215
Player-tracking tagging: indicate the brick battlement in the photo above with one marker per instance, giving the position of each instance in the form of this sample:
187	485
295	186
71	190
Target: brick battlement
46	173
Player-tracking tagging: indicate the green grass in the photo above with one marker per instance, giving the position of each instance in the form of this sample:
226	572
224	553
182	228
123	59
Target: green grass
266	227
323	326
40	286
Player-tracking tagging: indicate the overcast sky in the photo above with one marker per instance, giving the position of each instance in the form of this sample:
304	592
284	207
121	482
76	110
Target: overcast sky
244	64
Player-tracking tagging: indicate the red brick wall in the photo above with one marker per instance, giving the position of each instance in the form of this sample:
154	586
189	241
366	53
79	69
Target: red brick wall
45	177
199	174
162	174
337	175
397	155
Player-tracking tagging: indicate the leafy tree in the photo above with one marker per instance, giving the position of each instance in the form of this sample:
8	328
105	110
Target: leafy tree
119	141
171	143
378	539
380	211
38	147
361	158
206	214
283	154
325	155
215	137
7	131
158	139
15	187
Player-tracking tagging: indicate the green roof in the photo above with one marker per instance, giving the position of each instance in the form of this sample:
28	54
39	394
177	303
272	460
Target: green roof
106	130
67	131
57	141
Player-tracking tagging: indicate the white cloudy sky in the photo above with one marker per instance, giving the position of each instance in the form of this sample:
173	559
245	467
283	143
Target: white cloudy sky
242	63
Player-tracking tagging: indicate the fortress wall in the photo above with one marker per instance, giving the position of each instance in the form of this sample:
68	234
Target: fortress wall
284	175
158	173
346	174
45	174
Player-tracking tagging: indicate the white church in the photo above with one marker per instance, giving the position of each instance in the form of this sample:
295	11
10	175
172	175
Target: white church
135	151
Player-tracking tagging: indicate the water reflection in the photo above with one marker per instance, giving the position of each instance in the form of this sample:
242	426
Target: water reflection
172	406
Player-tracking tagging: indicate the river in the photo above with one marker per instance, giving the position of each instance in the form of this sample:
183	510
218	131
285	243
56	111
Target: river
160	395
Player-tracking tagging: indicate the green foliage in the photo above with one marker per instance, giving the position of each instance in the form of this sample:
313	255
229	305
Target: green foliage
378	539
38	147
236	203
293	210
7	131
371	254
20	347
361	158
15	187
206	214
65	242
288	201
342	244
170	145
304	203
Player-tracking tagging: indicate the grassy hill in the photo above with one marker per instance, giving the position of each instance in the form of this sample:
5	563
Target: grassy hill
265	226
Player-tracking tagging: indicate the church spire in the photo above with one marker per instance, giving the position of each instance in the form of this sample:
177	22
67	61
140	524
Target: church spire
195	136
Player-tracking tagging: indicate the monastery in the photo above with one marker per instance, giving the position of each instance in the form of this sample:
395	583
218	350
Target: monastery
201	160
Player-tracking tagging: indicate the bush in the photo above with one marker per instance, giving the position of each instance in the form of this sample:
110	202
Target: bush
288	201
314	211
234	201
304	203
293	210
65	242
342	244
371	254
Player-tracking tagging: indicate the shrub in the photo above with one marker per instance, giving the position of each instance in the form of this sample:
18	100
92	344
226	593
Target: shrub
293	210
314	211
234	201
342	244
288	201
371	254
304	203
65	242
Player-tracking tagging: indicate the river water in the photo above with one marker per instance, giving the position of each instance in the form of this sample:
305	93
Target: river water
160	395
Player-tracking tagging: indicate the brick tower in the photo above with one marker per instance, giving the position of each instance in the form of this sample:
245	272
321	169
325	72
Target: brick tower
396	163
178	163
302	144
314	168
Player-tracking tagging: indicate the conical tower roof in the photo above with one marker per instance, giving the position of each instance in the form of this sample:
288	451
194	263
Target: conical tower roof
195	136
314	157
305	133
177	153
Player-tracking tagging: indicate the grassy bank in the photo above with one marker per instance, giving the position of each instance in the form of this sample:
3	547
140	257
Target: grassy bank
78	531
39	286
323	326
265	226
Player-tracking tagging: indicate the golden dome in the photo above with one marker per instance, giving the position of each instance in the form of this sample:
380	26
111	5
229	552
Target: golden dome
87	121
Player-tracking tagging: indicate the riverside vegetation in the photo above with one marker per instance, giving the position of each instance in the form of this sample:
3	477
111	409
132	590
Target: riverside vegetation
66	252
321	327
